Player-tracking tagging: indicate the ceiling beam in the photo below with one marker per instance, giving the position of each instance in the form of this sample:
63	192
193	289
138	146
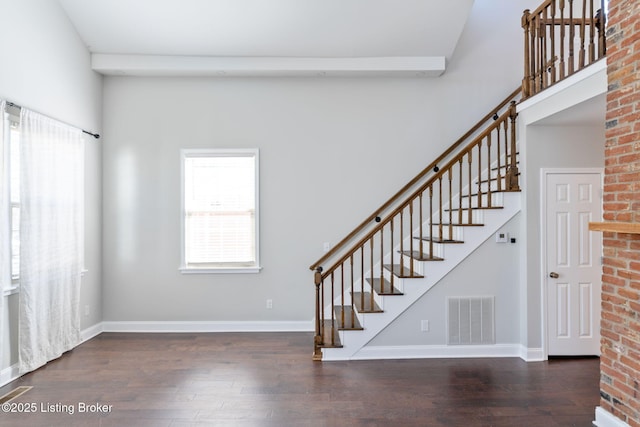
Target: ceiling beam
172	66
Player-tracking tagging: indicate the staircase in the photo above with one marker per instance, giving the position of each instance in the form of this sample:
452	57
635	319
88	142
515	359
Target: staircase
411	242
441	216
376	308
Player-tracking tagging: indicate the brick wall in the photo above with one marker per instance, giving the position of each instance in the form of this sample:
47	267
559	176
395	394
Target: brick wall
620	361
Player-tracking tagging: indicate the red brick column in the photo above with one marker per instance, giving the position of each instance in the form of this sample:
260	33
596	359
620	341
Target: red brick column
620	361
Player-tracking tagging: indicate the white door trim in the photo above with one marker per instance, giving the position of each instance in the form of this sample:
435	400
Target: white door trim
544	172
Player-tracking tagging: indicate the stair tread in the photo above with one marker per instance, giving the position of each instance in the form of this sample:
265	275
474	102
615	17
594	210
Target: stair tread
495	168
422	256
364	303
383	287
402	272
484	181
483	193
326	336
350	321
456	224
439	240
473	207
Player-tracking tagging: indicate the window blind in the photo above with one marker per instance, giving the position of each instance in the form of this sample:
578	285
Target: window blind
220	210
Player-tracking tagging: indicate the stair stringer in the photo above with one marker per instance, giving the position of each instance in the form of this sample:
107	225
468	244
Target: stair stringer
354	341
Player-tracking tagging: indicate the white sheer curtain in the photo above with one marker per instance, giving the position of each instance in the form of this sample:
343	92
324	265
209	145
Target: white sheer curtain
51	238
5	228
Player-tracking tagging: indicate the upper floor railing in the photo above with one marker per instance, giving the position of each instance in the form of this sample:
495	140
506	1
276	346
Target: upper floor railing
561	37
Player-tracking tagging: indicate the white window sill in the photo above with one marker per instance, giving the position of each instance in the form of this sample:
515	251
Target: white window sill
225	270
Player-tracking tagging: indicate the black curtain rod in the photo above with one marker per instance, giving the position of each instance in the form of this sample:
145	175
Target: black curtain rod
95	135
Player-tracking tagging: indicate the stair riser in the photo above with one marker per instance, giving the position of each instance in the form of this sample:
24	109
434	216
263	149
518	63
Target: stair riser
496	200
445	232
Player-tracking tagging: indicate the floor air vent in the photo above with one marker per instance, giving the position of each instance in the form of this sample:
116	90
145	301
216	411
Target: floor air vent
471	321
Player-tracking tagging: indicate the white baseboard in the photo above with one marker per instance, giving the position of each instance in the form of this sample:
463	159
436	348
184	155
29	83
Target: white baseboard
436	351
12	373
605	419
9	374
91	332
212	326
531	354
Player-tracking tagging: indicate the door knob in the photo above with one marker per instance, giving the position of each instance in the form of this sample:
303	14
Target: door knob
554	275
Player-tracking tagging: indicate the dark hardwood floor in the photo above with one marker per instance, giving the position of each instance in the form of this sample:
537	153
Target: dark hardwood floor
269	379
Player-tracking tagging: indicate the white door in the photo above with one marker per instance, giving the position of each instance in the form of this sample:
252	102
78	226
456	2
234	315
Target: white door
573	263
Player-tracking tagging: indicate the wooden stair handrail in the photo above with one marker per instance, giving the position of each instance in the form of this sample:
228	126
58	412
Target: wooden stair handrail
325	273
415	180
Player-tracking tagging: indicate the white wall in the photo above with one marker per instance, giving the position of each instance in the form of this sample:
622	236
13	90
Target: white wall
492	270
46	68
331	151
549	142
572	147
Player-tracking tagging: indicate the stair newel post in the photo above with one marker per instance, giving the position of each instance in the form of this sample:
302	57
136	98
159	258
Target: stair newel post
526	81
512	171
317	348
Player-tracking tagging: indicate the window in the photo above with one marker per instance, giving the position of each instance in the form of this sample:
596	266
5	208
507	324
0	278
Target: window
220	211
14	192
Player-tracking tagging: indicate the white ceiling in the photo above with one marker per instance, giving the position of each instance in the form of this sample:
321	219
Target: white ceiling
321	29
586	114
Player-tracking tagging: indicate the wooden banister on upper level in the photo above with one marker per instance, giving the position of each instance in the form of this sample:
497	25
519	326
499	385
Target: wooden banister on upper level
561	37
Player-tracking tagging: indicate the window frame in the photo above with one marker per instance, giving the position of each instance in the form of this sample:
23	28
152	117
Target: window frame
12	131
219	152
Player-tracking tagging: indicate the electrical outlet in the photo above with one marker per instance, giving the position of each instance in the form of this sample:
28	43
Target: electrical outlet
86	310
424	326
269	304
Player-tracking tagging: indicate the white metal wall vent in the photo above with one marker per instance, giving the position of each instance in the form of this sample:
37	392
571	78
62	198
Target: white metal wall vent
470	320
